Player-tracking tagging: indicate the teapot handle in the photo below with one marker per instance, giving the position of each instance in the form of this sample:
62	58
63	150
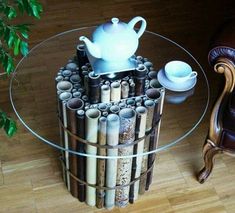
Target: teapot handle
133	22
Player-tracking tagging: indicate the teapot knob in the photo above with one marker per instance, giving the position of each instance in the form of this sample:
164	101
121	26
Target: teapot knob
134	21
115	20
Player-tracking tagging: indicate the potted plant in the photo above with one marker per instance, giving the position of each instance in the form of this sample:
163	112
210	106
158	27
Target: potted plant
13	42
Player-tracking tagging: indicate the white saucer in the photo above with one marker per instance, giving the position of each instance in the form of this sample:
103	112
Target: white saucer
177	87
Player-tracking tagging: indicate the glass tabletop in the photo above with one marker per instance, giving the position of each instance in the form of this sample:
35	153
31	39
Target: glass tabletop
34	99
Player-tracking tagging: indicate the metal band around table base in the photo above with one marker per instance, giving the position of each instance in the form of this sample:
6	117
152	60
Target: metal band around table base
108	146
105	187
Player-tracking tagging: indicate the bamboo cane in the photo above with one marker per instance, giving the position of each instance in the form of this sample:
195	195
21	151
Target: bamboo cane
113	125
91	126
127	135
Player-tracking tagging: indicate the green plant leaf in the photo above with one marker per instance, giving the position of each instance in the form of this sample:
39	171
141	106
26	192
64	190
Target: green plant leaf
36	8
16	46
20	6
25	34
11	39
6	10
9	68
23	26
24	48
27	7
35	11
10	127
10	65
12	13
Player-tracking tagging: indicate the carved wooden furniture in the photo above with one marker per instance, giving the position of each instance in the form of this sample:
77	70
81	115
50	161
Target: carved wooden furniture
221	136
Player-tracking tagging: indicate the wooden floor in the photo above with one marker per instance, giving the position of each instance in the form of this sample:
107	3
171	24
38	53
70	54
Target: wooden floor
30	178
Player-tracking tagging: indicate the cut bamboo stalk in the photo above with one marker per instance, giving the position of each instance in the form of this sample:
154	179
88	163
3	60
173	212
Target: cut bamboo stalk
93	88
139	79
66	73
64	86
62	99
81	159
115	91
132	89
103	107
91	127
127	135
113	125
66	144
139	148
75	79
105	93
71	66
150	105
101	162
114	109
155	95
72	106
154	83
81	55
124	89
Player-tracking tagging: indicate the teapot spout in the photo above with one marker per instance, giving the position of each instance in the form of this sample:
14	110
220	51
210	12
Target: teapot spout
92	48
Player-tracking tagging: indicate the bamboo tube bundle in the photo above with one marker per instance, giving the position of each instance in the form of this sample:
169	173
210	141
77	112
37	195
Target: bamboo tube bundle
127	135
108	117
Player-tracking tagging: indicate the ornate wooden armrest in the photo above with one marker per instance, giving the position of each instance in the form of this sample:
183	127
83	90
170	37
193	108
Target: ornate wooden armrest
222	57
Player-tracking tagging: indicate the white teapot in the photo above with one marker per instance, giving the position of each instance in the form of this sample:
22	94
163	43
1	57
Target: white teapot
115	40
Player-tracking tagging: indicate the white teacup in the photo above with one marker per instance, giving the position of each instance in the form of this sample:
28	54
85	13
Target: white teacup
179	71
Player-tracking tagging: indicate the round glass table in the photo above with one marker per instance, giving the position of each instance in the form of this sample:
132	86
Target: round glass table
34	99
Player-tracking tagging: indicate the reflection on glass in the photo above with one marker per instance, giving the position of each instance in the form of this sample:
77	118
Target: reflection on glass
33	95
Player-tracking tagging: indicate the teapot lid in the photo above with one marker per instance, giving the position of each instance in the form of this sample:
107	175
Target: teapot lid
114	26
